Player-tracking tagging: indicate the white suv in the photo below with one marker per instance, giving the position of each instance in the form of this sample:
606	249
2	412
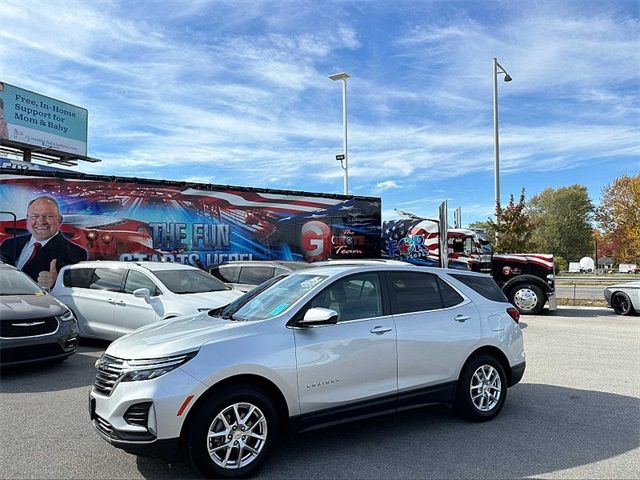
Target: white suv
318	347
110	299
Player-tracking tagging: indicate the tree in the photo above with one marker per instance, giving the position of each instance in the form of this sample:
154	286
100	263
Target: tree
619	218
562	220
512	228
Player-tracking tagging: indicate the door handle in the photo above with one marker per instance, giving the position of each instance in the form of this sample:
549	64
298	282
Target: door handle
121	302
380	330
111	300
461	318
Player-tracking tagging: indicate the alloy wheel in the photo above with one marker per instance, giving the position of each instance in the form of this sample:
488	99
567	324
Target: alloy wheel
486	388
237	435
621	304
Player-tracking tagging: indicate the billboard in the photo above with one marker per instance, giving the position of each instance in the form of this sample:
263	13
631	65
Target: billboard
114	218
36	120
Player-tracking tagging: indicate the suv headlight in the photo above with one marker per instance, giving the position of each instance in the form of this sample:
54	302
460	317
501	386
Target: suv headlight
66	316
148	369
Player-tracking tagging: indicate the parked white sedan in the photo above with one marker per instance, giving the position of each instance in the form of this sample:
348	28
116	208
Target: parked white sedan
111	299
623	298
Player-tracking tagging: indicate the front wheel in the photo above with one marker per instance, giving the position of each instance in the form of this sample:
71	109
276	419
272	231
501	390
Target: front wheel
482	389
527	298
233	432
621	303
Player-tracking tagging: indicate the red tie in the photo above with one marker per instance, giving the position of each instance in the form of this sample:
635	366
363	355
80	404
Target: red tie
36	247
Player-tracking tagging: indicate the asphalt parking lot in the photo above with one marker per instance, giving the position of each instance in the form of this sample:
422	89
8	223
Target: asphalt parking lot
576	414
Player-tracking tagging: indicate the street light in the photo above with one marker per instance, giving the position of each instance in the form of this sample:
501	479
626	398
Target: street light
344	162
497	68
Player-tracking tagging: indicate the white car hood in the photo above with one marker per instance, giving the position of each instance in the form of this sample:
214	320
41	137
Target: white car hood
183	334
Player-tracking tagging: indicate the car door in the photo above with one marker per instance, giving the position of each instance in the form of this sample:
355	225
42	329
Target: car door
95	304
353	360
437	329
133	312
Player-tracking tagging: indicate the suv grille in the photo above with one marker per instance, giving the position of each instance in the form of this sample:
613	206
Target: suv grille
28	328
109	372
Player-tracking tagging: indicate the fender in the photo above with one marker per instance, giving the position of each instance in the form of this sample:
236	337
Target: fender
525	278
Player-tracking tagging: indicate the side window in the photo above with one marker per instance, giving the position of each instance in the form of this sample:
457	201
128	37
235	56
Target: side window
458	245
279	271
107	279
228	274
484	285
136	280
78	277
414	292
450	297
353	297
255	275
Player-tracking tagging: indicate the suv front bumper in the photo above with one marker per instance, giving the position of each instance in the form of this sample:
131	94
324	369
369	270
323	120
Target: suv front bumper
159	434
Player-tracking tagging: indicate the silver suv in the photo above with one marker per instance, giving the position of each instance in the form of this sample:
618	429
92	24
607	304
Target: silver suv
319	346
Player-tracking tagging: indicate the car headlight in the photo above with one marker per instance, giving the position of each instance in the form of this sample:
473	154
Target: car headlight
137	370
66	316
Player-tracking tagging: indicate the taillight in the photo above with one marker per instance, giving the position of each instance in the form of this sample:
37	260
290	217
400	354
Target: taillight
514	313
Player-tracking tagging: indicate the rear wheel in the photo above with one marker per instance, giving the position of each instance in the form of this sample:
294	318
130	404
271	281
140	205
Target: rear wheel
482	389
621	303
527	298
233	432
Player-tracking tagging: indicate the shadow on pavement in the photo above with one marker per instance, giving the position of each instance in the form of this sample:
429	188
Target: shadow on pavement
76	371
582	312
542	429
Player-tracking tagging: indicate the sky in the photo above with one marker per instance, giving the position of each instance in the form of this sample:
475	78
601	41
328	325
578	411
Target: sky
237	92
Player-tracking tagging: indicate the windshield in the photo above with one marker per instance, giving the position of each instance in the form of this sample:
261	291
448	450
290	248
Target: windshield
485	247
14	282
190	281
272	298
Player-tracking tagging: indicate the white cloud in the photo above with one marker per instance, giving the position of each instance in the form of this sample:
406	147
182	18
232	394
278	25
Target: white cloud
239	92
386	185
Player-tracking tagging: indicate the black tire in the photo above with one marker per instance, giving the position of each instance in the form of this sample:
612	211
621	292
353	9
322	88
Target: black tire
470	376
521	296
204	421
621	303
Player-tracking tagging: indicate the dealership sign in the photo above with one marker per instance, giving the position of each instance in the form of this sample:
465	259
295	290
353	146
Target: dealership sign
44	122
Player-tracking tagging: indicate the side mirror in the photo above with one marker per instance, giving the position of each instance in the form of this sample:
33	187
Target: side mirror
319	316
143	293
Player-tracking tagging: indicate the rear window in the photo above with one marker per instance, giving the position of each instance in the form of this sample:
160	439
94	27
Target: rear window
414	292
255	275
78	277
109	279
485	286
226	273
450	297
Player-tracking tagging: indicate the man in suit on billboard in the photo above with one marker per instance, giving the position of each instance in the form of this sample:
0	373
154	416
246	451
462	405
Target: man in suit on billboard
43	253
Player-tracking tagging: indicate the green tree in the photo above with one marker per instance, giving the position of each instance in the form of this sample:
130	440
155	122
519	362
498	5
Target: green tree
512	228
619	218
562	221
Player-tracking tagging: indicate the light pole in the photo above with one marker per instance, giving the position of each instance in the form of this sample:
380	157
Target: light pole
344	162
497	68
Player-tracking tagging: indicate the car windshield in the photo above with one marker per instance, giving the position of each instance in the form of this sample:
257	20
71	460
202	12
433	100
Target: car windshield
189	281
14	282
272	298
